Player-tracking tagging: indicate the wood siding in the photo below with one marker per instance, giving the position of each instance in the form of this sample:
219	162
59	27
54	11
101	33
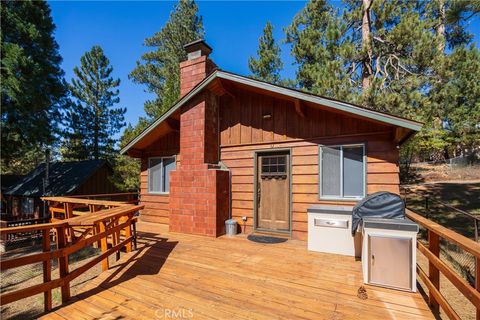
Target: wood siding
98	183
157	205
244	130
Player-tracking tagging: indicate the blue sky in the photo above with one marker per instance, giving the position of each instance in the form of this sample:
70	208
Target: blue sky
232	30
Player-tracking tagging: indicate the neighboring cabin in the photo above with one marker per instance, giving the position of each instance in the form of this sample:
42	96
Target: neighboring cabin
64	179
234	145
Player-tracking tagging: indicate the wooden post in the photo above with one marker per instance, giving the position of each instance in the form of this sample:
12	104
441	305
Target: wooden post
116	239
128	233
477	281
63	262
103	245
47	270
433	272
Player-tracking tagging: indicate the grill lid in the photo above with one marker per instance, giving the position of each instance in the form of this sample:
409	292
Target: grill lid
379	204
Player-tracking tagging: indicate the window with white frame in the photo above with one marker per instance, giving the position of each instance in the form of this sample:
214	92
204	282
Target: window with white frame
159	174
342	172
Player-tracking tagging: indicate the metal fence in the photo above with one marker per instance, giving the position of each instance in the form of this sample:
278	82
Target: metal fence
452	218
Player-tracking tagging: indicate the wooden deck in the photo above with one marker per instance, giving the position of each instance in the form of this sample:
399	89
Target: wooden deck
176	276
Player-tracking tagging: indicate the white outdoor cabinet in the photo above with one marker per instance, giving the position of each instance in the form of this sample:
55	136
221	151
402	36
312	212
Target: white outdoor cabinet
330	230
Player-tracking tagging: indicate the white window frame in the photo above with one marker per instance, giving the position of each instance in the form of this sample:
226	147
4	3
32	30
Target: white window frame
342	198
161	176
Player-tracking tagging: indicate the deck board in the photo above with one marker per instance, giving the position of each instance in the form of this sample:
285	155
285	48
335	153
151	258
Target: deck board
232	278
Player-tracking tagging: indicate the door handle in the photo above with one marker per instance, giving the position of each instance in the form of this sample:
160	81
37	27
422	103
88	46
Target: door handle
258	193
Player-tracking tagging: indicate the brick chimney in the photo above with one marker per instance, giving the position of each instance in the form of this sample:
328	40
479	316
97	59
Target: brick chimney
197	66
199	190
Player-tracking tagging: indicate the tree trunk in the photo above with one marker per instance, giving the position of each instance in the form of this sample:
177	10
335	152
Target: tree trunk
441	27
367	46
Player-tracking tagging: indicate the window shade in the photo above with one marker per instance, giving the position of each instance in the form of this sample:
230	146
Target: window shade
331	171
168	165
353	183
155	175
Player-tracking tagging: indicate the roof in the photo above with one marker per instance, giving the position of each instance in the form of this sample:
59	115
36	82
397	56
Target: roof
288	92
7	180
65	178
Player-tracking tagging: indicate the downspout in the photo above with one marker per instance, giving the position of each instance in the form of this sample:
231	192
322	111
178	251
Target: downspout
222	165
45	180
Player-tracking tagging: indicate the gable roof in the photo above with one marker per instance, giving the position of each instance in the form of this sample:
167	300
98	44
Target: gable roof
7	180
292	93
64	178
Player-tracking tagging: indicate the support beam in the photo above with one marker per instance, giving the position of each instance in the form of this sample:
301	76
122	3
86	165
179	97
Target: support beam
299	108
221	88
173	124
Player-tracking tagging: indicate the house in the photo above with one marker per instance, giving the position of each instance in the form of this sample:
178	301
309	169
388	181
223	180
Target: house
260	153
64	178
6	181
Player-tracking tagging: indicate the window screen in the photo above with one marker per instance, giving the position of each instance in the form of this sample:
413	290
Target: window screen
331	171
353	171
342	172
159	174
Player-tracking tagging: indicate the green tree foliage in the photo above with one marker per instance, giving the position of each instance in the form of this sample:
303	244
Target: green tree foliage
159	69
33	89
321	50
126	175
268	65
413	60
93	121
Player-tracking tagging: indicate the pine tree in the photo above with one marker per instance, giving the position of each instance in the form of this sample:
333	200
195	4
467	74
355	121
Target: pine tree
321	51
453	93
268	65
159	69
394	50
93	120
33	89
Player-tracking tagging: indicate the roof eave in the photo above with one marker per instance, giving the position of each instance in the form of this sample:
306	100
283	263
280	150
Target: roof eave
337	105
170	111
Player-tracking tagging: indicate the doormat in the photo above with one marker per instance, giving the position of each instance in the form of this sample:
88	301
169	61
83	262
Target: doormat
265	239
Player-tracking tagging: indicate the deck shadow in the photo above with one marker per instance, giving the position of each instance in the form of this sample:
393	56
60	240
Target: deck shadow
147	244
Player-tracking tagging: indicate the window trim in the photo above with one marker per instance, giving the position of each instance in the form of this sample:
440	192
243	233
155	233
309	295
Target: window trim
342	198
174	157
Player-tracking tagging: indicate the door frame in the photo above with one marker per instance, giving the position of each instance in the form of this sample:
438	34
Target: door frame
256	153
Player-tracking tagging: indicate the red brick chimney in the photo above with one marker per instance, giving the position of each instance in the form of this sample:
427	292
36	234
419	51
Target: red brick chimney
197	66
199	190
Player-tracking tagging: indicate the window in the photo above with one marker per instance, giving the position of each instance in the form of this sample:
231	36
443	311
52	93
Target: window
27	206
342	172
274	166
159	174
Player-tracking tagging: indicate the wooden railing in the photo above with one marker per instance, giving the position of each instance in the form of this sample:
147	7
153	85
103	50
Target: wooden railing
67	207
71	235
436	266
129	197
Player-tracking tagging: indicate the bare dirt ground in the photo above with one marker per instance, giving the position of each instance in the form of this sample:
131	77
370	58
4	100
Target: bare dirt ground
18	278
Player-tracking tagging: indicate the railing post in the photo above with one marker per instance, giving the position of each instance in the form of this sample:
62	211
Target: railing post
47	270
477	280
475	224
427	209
134	227
103	244
63	262
128	233
433	272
